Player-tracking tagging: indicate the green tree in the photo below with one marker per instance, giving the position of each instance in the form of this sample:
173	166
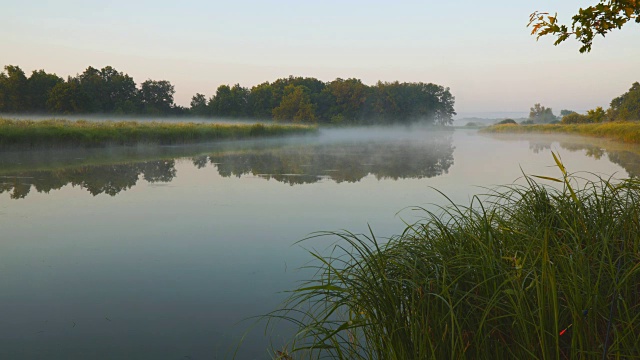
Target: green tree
596	115
39	86
117	91
565	112
90	90
575	118
295	105
230	101
409	102
627	105
598	19
261	102
541	114
63	98
199	105
348	97
314	88
157	96
13	89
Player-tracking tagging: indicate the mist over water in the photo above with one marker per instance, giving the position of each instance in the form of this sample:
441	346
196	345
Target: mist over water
161	252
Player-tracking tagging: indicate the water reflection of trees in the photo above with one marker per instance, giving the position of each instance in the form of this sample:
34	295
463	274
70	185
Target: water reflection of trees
344	162
291	164
627	159
96	179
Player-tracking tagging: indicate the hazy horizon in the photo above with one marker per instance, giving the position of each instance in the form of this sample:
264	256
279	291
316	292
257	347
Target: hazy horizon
482	51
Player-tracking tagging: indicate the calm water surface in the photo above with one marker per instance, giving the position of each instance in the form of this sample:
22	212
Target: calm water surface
160	253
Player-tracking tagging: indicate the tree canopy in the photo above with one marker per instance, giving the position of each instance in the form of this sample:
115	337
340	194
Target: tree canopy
293	98
598	19
540	114
625	107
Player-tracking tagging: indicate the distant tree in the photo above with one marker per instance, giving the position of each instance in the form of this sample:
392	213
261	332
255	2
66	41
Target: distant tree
295	105
3	94
598	19
314	89
13	90
565	112
442	102
199	105
575	118
63	97
39	87
596	115
240	101
408	102
157	96
348	98
626	106
507	122
230	101
261	102
90	91
526	122
117	92
541	114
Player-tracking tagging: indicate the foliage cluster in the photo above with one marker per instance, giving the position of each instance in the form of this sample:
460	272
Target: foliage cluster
507	121
527	272
104	91
596	115
625	107
304	99
297	99
46	133
540	114
598	19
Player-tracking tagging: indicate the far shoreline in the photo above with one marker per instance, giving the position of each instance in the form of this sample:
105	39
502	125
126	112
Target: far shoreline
56	133
626	132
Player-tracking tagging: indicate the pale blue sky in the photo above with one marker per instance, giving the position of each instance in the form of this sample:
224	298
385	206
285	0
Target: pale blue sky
481	50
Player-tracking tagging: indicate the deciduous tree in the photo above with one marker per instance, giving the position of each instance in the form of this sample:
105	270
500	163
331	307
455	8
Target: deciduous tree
541	114
157	96
39	86
598	19
295	105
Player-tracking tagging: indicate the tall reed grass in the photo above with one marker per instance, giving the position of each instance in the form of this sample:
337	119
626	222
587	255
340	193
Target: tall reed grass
527	271
628	132
49	133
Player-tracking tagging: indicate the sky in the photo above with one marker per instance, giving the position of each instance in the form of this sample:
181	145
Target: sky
481	50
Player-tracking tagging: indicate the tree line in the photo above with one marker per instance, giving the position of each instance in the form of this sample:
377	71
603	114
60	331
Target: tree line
625	107
294	99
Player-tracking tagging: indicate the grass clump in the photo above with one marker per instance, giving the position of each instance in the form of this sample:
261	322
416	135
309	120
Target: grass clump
525	272
81	133
628	132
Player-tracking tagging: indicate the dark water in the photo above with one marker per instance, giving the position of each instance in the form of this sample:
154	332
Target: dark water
160	253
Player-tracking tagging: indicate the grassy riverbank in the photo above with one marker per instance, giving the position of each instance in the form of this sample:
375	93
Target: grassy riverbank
526	272
628	132
65	133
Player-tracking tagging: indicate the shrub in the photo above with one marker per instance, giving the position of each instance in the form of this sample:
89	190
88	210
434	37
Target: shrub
507	121
575	118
